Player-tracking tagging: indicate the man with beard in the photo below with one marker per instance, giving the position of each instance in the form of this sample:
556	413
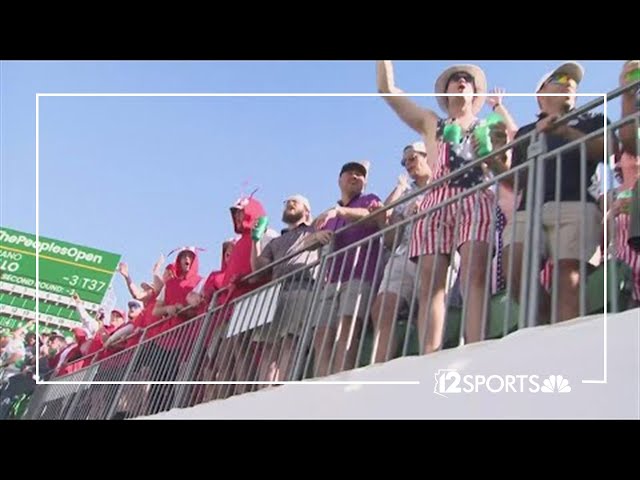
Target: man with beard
351	271
278	337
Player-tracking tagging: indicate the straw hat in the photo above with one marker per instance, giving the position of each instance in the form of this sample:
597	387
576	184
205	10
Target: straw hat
480	82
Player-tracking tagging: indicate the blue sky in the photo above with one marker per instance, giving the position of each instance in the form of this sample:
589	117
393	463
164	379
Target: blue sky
140	176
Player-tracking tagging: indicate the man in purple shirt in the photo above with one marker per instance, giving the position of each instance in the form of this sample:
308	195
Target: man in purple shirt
350	273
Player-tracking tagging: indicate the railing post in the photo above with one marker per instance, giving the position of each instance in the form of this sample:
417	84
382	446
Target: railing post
193	361
76	398
531	250
127	372
36	401
308	325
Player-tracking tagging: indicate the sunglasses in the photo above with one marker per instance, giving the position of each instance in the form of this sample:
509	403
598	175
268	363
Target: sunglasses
559	79
406	158
462	75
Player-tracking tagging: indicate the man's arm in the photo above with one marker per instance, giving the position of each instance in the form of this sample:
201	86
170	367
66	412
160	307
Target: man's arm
419	119
260	258
197	295
351	214
391	216
390	235
161	310
354	214
401	187
499	164
120	335
88	322
157	274
135	291
157	267
316	240
495	102
595	146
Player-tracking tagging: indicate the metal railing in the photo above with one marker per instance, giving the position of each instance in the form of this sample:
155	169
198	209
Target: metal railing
333	314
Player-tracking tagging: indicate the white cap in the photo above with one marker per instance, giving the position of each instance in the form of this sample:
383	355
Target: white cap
417	147
300	199
573	69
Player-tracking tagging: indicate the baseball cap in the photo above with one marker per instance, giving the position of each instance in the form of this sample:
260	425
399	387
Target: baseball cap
134	304
573	69
417	147
300	199
361	167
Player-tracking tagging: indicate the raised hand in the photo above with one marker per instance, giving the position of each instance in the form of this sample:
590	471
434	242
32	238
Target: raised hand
403	182
123	269
496	97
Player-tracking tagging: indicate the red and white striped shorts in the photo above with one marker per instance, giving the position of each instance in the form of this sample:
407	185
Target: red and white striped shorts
626	254
446	228
546	275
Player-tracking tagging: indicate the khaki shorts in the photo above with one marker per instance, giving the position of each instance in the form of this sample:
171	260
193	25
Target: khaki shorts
348	299
292	310
569	241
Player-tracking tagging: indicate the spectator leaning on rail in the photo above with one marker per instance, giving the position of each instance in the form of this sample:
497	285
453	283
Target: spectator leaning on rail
349	284
117	340
278	337
245	212
237	354
147	293
172	343
201	297
400	275
563	80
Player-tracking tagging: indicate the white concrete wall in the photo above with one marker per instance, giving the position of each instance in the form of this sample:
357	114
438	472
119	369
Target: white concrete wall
574	349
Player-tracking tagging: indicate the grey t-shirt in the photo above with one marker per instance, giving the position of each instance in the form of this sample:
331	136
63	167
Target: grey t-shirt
289	242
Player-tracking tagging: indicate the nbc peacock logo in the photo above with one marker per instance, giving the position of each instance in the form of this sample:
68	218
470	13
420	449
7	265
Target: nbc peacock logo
555	383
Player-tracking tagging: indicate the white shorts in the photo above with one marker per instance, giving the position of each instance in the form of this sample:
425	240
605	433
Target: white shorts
400	276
